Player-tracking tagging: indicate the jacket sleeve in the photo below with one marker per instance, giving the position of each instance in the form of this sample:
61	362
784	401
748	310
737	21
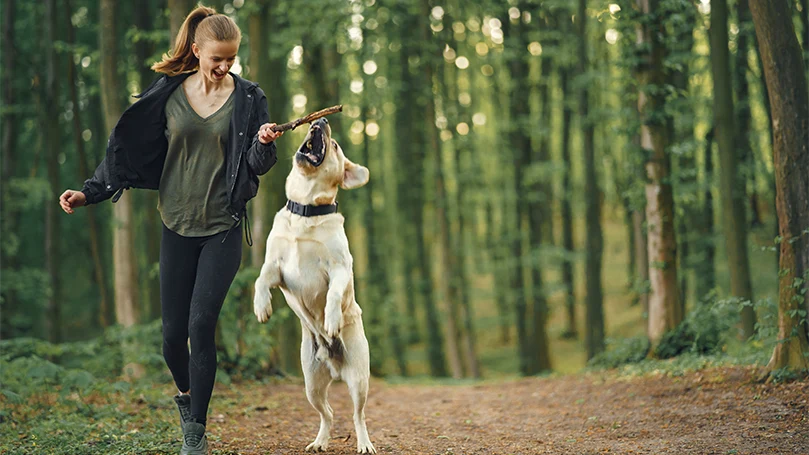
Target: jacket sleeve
100	186
261	157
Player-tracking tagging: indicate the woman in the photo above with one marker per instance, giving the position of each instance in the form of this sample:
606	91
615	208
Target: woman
201	136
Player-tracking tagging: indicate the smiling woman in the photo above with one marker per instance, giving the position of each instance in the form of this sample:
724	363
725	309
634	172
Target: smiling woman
201	136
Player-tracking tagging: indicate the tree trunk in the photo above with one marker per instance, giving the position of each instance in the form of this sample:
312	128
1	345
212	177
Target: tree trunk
459	213
178	10
567	212
9	145
665	312
147	200
447	262
424	98
705	250
84	170
594	243
743	116
408	144
50	125
787	87
126	282
733	195
641	258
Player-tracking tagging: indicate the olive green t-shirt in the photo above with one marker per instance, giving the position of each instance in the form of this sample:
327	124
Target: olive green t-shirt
193	190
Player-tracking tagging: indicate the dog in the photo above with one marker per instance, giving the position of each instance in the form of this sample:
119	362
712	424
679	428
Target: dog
308	258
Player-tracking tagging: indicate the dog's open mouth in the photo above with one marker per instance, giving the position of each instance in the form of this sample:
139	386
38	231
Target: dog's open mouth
313	148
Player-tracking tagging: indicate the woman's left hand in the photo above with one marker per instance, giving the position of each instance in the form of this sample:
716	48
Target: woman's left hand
267	135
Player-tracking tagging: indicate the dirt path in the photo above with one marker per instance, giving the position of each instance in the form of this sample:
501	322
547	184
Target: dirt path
719	411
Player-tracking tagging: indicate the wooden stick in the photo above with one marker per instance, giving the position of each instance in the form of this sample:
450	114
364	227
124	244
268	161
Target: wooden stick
308	119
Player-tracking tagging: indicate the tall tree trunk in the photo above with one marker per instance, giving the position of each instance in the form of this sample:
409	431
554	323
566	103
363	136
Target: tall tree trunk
566	210
84	170
50	125
733	220
540	216
447	261
147	201
459	214
126	282
409	144
9	145
665	311
515	213
594	243
641	258
705	251
743	115
435	347
787	86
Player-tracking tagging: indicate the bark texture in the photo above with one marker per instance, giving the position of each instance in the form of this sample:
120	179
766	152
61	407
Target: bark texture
787	86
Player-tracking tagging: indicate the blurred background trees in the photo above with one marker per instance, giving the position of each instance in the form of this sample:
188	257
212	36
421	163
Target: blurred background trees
548	178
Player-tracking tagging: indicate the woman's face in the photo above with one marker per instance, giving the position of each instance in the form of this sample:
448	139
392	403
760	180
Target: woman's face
215	58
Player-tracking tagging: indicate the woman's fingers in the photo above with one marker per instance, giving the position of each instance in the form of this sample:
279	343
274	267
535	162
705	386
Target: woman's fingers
267	135
71	199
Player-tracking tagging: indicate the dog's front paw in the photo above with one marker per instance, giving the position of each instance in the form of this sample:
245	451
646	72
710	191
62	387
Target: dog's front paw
318	446
332	326
365	448
262	305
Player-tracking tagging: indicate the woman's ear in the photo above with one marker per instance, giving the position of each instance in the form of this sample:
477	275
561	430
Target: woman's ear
195	50
354	175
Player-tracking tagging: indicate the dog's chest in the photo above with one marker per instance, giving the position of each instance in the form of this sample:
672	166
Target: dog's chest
304	269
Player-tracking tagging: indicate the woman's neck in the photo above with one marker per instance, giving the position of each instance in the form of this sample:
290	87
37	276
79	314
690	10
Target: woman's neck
206	86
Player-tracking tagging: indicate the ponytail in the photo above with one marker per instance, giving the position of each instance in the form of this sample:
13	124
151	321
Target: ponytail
201	24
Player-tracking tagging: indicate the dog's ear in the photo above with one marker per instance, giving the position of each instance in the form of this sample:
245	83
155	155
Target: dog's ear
354	175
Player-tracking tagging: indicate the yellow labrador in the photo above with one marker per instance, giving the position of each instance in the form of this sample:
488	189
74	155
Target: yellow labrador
308	258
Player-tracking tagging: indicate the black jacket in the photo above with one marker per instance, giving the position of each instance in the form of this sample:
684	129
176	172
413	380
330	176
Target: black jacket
137	147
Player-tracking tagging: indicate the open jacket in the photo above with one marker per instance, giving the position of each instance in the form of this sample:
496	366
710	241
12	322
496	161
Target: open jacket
137	147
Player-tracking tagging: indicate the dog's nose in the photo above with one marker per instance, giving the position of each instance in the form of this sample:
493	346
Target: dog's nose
321	121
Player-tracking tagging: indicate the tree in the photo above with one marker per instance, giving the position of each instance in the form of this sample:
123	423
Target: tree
126	282
734	221
665	311
8	256
787	87
594	243
84	170
50	124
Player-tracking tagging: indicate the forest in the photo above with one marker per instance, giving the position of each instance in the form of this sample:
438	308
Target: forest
556	187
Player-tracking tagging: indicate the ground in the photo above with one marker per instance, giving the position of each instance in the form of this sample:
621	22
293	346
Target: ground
716	411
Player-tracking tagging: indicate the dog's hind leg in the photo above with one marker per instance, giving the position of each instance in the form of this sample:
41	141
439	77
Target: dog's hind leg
269	277
356	374
317	376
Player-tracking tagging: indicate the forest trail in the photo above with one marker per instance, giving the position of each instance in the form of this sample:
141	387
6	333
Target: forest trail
715	411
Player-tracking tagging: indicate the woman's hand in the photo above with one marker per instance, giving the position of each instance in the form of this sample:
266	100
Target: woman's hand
71	199
267	135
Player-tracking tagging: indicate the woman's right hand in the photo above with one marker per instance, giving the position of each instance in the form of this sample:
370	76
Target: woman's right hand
71	199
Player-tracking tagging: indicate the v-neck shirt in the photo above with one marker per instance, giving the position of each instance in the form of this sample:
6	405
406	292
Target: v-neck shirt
193	189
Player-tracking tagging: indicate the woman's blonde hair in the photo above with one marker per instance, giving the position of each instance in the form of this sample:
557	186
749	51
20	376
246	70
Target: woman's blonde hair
200	26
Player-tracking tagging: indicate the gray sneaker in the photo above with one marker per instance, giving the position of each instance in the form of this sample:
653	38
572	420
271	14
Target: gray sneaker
194	440
184	406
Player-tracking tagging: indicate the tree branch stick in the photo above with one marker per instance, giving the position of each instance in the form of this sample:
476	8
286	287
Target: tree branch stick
308	119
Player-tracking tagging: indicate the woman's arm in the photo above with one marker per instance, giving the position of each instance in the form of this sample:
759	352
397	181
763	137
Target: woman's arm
262	154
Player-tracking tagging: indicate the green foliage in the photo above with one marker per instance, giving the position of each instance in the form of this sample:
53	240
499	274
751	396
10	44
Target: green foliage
621	352
703	331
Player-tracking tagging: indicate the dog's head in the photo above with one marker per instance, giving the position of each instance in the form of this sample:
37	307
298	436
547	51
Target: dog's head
320	167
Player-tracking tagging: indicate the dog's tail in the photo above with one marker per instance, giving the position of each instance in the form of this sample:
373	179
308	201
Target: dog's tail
330	353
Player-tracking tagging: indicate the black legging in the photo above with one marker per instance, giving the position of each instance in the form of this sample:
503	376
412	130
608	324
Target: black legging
195	274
